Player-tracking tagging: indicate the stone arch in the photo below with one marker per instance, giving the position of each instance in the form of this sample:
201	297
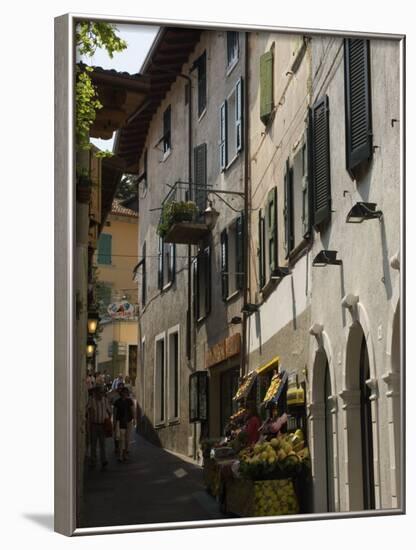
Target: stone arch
359	348
323	428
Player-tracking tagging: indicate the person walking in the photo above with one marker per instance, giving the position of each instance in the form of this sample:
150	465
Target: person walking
124	417
98	411
117	381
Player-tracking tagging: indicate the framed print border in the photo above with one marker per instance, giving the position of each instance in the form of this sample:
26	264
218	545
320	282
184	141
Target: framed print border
66	377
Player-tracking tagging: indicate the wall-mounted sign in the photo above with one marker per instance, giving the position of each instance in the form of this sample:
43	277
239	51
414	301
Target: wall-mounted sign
121	310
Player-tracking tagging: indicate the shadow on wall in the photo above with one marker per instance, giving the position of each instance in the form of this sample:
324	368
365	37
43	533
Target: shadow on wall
145	428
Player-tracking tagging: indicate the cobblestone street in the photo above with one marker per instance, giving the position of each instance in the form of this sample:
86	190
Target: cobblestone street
154	486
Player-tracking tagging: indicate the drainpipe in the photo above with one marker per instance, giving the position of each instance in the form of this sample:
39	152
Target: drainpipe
247	220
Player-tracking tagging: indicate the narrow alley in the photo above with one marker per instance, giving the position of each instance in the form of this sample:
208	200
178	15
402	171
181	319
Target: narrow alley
154	485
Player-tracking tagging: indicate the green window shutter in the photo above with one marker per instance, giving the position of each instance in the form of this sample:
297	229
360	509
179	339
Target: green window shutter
104	249
272	228
200	176
223	136
239	252
321	162
358	123
224	264
288	210
266	86
239	114
261	251
160	264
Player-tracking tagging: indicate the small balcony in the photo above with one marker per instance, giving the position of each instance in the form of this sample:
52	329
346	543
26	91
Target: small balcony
182	221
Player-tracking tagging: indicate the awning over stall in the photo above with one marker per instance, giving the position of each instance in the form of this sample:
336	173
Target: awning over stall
273	364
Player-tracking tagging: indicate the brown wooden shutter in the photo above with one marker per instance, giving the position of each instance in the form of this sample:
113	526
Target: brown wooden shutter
321	162
266	86
358	123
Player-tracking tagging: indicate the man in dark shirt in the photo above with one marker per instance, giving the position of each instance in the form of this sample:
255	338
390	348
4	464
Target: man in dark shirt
123	416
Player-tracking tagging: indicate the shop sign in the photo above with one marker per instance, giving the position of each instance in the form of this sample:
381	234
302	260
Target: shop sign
121	310
223	350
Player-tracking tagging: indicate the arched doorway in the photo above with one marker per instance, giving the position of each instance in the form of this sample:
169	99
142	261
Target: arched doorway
359	422
323	431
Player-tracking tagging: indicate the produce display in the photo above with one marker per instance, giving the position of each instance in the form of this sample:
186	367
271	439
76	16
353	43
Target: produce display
275	497
245	386
282	457
276	384
239	415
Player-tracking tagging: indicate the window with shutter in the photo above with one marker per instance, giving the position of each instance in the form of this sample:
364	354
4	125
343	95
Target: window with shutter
202	283
321	162
266	86
200	176
224	264
104	249
359	146
262	251
307	187
223	136
288	210
239	254
272	228
166	264
232	48
207	266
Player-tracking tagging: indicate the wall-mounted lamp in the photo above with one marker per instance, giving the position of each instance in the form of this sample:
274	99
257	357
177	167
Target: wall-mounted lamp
395	261
236	320
363	211
279	273
249	308
326	257
349	300
92	322
91	345
211	216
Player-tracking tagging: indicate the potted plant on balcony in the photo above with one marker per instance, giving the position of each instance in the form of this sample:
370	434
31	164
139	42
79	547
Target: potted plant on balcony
176	212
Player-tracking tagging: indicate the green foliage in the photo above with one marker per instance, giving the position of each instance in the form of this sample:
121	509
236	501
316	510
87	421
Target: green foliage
127	188
175	212
89	37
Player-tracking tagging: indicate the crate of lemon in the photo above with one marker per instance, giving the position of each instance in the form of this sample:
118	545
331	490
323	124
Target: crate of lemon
268	470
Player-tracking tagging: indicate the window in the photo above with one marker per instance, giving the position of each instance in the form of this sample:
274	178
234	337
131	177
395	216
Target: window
266	87
321	162
166	264
173	374
232	258
232	48
159	390
144	176
104	249
358	121
198	396
144	277
272	229
231	126
202	283
201	65
167	130
200	176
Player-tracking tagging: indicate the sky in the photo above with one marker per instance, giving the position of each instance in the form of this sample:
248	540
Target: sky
139	38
